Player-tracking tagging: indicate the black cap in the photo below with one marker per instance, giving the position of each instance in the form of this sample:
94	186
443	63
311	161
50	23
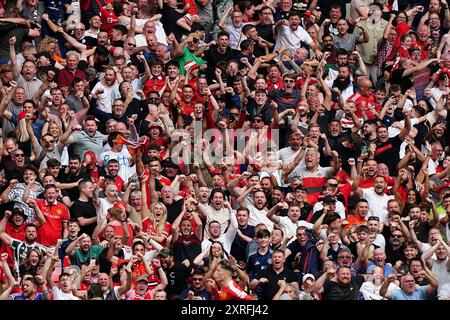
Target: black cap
329	199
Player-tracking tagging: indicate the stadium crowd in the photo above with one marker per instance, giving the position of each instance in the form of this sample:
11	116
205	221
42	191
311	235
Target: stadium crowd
224	150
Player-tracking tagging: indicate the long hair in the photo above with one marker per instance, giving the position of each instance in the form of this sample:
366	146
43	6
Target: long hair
25	267
158	225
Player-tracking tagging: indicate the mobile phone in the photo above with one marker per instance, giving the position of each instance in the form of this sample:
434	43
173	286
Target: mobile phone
93	260
364	149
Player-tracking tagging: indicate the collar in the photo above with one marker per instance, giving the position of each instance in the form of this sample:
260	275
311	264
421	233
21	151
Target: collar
51	204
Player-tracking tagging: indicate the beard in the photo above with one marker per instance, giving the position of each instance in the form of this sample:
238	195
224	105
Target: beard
342	84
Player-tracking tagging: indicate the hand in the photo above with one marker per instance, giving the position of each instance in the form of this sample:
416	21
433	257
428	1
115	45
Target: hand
391	277
140	93
282	283
326	22
12	41
274	105
351	162
263	281
79	95
13	183
4	256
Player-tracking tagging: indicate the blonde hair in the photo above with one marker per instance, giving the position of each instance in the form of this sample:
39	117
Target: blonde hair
158	225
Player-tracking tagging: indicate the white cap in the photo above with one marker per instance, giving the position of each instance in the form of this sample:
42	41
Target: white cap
308	275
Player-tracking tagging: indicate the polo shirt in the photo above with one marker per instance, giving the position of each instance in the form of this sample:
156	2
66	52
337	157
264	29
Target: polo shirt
270	288
335	291
65	77
52	230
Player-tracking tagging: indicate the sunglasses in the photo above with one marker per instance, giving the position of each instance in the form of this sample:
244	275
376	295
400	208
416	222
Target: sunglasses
257	120
132	45
197	279
289	81
396	236
333	185
20	155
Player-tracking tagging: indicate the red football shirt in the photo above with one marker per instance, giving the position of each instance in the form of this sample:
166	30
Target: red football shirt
52	229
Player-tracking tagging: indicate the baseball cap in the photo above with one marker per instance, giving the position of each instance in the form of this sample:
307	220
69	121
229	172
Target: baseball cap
164	252
308	276
329	199
142	278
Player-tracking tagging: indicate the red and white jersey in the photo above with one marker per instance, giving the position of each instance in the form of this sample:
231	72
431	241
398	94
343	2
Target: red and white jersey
231	292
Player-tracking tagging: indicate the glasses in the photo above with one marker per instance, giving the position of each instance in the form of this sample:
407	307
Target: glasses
373	218
234	114
132	45
153	98
197	279
79	29
257	120
397	236
289	81
20	155
50	141
117	105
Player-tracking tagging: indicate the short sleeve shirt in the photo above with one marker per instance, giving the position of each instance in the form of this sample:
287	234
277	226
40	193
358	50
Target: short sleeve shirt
418	294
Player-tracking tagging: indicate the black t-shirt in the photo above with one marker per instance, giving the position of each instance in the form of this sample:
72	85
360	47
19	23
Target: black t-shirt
345	154
388	153
186	248
335	291
269	289
328	218
392	255
404	82
177	276
239	246
174	210
81	209
63	177
421	230
265	31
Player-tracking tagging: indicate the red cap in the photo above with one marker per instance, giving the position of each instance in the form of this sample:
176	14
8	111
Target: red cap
121	205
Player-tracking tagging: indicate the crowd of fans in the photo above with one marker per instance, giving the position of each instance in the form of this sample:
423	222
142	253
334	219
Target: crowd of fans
224	150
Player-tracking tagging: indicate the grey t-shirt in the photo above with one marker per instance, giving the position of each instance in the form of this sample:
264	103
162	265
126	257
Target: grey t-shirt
84	143
347	42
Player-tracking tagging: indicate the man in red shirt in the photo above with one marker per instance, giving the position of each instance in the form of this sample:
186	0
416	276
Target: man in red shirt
56	217
365	100
66	76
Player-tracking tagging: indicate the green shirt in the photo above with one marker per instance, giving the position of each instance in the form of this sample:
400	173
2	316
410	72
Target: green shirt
79	257
186	57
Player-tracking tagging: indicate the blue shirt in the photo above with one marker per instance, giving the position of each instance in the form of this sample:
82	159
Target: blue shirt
418	294
257	262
